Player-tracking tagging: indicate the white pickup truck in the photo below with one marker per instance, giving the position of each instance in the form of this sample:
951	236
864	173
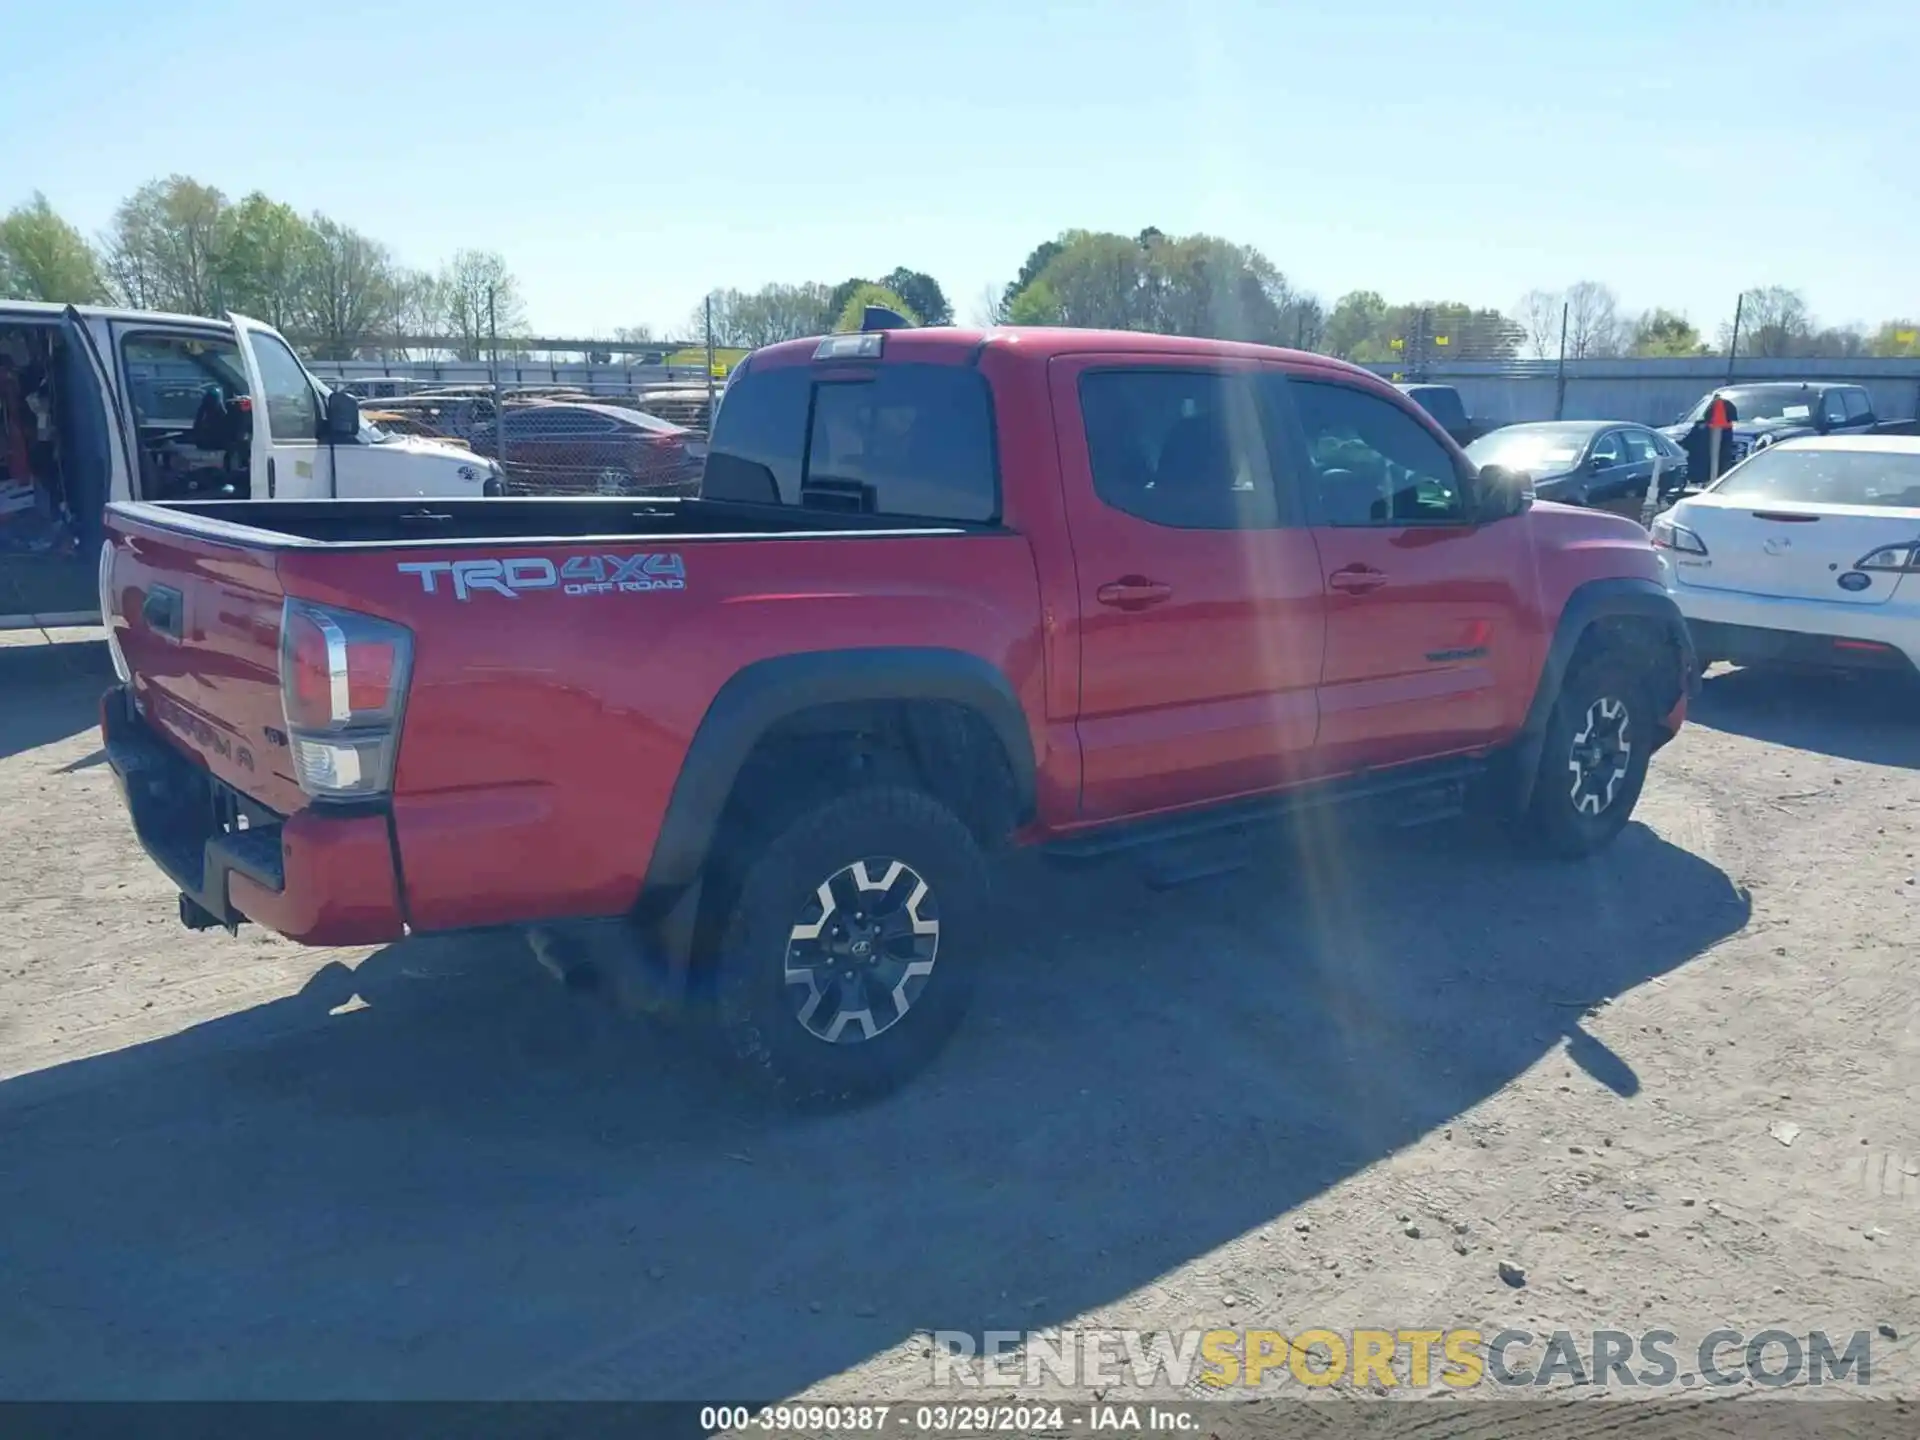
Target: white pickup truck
100	404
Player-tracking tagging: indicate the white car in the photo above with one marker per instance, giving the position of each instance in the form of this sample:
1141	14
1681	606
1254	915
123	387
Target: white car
1806	553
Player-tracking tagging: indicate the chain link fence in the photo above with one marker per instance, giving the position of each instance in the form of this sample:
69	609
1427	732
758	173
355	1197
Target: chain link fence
597	435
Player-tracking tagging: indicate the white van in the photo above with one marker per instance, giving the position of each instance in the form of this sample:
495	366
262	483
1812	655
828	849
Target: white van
99	404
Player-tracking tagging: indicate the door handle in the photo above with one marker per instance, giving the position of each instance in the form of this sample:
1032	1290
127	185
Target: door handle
1357	579
270	486
1133	592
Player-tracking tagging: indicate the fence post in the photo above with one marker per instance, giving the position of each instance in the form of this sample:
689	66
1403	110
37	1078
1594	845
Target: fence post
709	364
1733	343
499	408
1560	383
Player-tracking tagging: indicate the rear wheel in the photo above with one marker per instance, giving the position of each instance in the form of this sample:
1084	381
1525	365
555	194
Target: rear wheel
1594	760
846	961
613	481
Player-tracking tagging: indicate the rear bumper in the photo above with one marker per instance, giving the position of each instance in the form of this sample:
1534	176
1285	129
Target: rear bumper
1768	629
1752	645
316	878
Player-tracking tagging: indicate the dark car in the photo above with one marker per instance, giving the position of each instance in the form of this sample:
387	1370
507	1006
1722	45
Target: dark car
1444	404
1779	410
581	448
1585	462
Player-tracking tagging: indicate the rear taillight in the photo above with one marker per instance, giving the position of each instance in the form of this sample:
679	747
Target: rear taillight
343	685
114	652
1668	535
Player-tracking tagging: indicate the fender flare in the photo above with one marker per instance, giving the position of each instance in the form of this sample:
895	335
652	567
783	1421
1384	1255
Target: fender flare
762	694
1615	597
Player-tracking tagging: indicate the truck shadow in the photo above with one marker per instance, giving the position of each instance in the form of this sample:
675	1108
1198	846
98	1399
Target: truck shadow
1873	718
438	1174
48	692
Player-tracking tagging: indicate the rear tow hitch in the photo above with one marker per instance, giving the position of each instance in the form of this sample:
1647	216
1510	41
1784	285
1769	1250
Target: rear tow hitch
196	916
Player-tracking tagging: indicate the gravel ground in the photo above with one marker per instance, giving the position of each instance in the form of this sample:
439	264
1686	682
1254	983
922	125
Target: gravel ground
1678	1086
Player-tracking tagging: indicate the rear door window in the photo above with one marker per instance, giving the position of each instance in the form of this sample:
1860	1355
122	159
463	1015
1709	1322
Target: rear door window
1185	449
914	441
1859	407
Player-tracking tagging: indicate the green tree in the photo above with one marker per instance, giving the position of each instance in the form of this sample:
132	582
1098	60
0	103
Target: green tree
348	290
261	260
751	318
1663	332
42	257
1356	330
1041	257
921	292
162	248
419	306
853	313
1035	305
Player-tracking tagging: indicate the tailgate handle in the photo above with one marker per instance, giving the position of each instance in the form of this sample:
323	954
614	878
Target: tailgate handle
162	611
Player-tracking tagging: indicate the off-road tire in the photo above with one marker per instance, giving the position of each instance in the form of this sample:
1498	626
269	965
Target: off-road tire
755	1005
1556	818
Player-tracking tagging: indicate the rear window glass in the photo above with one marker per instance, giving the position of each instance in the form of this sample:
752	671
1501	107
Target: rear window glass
1827	477
913	440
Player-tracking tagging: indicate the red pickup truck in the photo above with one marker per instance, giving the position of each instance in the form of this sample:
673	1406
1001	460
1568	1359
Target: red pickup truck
941	590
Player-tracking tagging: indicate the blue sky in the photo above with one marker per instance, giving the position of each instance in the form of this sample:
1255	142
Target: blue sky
625	158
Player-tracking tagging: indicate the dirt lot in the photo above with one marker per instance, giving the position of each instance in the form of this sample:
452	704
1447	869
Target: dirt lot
238	1168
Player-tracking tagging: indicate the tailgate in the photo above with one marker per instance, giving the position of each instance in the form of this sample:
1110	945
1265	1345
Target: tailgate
198	621
1796	550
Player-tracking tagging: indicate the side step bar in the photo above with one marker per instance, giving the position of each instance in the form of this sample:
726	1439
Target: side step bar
1409	795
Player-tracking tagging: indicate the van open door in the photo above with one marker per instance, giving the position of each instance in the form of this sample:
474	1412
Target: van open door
288	460
57	584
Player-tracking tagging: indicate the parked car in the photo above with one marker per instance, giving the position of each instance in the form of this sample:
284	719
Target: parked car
1585	462
1057	588
1443	403
579	447
111	404
1766	413
1805	554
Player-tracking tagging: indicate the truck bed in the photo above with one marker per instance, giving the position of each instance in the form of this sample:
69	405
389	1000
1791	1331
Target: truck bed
299	524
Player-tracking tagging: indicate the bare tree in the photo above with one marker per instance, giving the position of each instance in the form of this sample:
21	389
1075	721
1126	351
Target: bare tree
1593	321
1773	321
1538	314
990	307
471	281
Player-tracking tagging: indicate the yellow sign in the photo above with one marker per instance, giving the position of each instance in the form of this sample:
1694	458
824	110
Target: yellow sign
1399	344
1906	337
1439	339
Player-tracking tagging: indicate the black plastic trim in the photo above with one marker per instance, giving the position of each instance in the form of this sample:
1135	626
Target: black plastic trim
172	806
768	691
1616	597
1444	779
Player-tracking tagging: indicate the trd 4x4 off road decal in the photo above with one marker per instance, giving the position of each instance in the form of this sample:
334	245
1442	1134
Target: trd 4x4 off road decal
576	575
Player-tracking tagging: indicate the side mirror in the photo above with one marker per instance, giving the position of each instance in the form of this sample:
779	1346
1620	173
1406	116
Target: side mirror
1500	493
343	418
1600	462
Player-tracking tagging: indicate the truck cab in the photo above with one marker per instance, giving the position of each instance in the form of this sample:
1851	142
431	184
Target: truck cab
99	405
